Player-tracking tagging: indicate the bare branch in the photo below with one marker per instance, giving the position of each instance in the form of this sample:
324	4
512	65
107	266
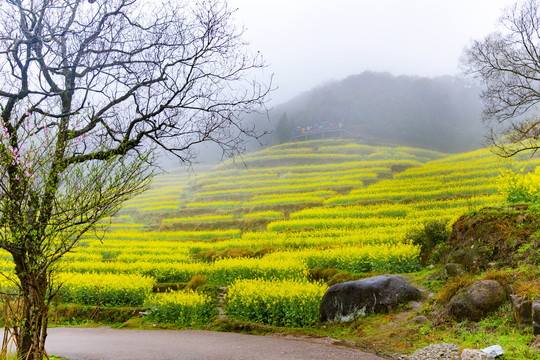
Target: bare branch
87	91
508	66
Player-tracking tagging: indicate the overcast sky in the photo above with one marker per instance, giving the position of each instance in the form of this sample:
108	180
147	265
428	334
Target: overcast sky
309	42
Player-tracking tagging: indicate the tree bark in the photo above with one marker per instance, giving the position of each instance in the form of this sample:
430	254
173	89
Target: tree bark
32	331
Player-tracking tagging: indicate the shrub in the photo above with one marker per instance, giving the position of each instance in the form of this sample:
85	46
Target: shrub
452	288
196	281
432	238
322	274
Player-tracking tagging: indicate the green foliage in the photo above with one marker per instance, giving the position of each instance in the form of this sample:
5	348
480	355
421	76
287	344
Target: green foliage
432	238
395	264
75	314
520	187
397	168
282	133
178	272
196	281
279	303
162	272
106	289
225	271
182	308
110	254
331	276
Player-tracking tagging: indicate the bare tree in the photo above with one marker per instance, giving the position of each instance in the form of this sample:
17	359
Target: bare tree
508	65
88	89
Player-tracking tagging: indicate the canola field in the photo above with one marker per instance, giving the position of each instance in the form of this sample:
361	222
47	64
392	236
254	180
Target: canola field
260	226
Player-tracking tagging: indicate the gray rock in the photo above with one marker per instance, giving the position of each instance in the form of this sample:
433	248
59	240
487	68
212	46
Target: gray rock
526	313
379	294
442	351
468	354
420	319
536	317
476	301
494	351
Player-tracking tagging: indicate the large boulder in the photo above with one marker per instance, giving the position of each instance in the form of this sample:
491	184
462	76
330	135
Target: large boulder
476	301
379	294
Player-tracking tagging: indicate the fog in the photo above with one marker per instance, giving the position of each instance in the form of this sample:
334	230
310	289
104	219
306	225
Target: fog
308	42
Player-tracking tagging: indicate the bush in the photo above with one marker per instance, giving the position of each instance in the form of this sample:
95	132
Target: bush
432	238
196	281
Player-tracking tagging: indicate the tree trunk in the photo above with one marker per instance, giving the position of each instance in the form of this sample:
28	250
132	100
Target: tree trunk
31	332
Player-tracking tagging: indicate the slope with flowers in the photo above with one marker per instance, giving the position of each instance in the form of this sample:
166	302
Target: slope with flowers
295	217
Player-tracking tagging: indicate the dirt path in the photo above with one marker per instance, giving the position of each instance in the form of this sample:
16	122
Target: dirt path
106	343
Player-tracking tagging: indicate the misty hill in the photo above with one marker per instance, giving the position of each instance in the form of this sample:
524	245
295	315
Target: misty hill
440	113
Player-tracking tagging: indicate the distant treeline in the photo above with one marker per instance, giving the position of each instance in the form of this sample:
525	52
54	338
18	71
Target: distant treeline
436	113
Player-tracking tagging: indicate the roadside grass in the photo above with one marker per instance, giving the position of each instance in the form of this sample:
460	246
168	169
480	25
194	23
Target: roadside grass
499	328
15	357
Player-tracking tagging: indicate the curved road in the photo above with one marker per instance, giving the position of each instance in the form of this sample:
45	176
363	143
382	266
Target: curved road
106	343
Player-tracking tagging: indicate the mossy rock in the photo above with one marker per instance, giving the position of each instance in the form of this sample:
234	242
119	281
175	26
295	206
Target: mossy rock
477	300
496	236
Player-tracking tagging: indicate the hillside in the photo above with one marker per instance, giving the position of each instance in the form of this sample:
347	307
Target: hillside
440	113
272	231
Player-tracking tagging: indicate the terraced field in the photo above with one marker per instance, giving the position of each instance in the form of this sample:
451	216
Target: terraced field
267	228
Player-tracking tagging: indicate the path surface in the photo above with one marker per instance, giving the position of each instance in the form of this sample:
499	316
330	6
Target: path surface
106	343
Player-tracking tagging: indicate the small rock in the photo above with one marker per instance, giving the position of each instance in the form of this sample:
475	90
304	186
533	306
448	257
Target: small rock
415	304
494	351
420	319
442	351
453	270
468	354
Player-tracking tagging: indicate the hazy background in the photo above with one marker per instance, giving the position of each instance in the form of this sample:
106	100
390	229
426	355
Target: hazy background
308	42
387	69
